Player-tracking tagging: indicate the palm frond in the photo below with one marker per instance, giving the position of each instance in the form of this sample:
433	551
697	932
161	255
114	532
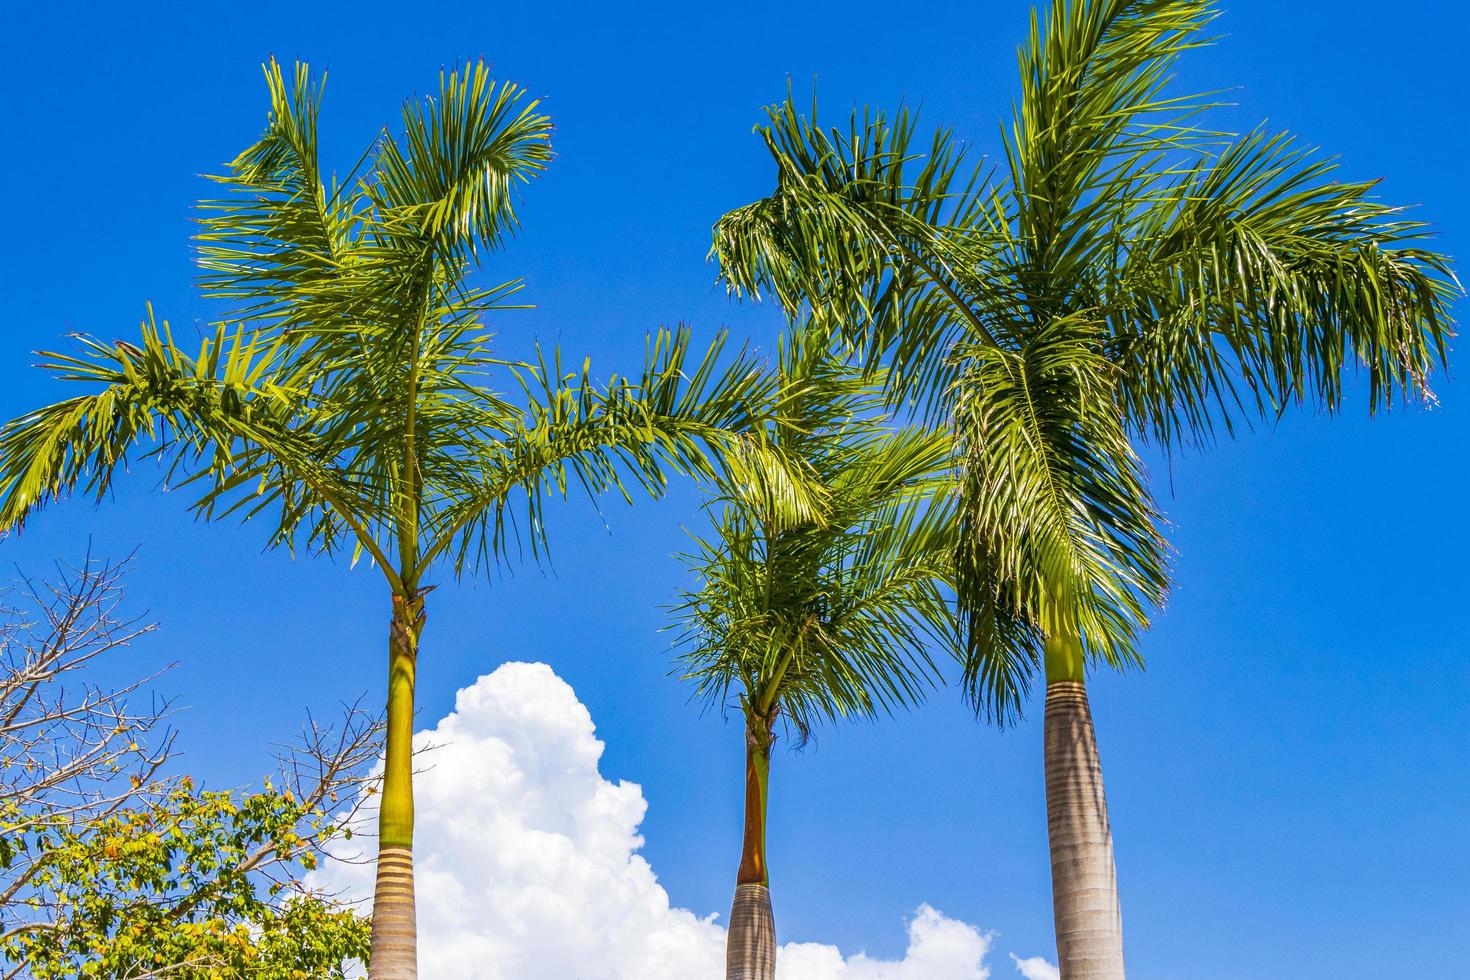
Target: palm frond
451	178
280	232
1259	281
852	236
834	615
223	415
682	415
1060	532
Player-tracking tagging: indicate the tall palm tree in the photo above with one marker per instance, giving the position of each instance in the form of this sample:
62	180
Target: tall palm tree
1124	275
823	616
345	397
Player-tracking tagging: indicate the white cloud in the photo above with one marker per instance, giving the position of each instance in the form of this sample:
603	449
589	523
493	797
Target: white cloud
1036	968
528	864
939	948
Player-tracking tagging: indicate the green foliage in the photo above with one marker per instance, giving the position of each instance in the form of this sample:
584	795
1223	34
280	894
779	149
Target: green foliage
351	398
346	394
197	884
1125	274
829	610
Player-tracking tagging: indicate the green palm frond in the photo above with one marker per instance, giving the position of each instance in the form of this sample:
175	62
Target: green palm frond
450	179
1094	127
227	414
851	236
280	232
1059	529
831	615
1258	280
682	416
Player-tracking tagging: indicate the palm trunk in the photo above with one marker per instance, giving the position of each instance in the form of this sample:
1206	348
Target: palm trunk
1089	920
750	950
395	939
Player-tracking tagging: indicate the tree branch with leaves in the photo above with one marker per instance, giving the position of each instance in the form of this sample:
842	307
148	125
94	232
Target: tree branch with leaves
113	865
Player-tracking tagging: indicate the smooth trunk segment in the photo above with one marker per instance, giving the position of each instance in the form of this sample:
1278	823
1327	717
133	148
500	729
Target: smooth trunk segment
750	953
1089	922
395	947
395	816
750	947
752	869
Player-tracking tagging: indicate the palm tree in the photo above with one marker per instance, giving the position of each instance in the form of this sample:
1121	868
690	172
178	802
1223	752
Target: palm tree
823	616
1125	275
344	397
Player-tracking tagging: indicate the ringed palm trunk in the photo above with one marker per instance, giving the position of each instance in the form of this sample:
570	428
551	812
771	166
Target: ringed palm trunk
750	950
1089	921
394	939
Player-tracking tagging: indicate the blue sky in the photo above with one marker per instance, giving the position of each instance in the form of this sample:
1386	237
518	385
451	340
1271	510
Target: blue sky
1287	778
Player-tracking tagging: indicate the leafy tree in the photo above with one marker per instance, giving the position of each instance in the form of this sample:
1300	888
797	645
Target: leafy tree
196	885
1125	275
109	867
346	396
822	616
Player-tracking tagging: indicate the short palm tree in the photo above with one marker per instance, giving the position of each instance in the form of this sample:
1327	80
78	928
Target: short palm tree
345	397
1126	275
825	616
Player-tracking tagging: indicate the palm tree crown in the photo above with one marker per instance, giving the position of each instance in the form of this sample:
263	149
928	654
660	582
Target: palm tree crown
830	614
346	390
1123	274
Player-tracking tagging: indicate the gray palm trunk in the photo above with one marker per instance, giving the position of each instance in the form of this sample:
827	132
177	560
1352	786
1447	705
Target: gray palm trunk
1089	920
750	950
395	941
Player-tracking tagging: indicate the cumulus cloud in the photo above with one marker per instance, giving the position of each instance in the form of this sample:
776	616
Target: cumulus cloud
528	862
1036	968
939	948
